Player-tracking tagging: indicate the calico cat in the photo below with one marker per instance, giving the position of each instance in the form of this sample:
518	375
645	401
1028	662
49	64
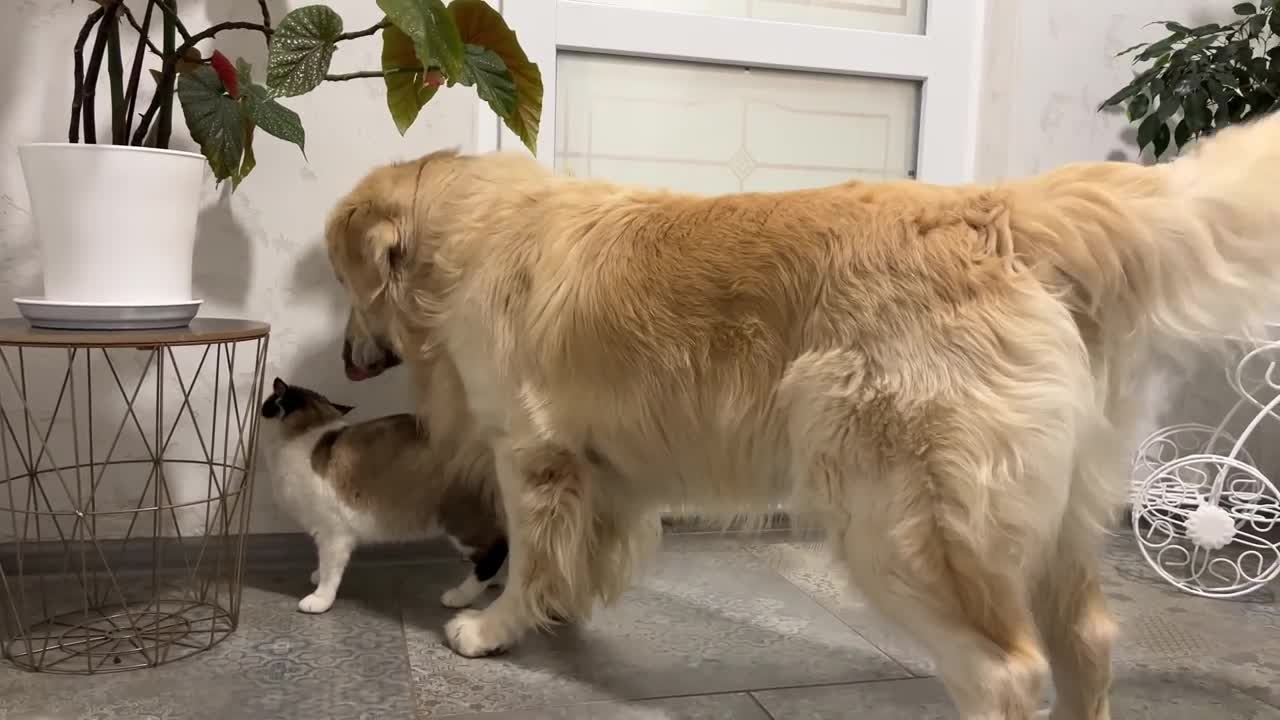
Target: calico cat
385	480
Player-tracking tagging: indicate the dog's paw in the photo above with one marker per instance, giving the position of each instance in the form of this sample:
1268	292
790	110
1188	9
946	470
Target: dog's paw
315	577
470	634
315	603
456	598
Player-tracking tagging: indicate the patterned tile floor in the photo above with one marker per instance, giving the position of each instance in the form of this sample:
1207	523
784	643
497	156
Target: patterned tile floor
722	628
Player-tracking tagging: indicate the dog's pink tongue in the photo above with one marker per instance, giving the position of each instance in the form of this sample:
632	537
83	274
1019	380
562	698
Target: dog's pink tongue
356	373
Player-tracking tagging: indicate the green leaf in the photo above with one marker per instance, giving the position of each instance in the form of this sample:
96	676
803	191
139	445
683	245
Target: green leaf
1123	94
214	120
1181	134
1195	112
1161	141
1130	49
301	49
263	111
1158	48
1256	25
1245	9
1138	107
248	162
407	92
435	34
1147	131
1222	116
485	71
482	26
1168	106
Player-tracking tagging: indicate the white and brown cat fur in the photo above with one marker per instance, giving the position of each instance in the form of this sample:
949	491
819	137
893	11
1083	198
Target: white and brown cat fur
391	479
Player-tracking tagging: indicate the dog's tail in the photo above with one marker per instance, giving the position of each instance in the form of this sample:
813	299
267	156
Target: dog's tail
1186	251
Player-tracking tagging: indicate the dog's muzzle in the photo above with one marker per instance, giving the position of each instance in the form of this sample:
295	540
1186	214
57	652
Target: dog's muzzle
355	372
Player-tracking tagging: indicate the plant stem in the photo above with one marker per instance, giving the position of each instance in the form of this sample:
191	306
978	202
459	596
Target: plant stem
73	134
171	15
91	75
369	74
164	88
144	124
213	30
115	73
363	33
135	73
266	20
142	33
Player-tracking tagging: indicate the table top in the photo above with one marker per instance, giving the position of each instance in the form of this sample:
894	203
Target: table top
201	331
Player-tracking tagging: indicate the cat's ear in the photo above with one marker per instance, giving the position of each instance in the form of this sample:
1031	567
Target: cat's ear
278	386
344	409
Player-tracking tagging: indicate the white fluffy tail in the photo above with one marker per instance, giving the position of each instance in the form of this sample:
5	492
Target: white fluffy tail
1186	251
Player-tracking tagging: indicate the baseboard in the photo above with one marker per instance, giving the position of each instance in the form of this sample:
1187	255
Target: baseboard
267	550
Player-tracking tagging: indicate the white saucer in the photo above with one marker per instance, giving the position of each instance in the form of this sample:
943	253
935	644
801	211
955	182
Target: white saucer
70	315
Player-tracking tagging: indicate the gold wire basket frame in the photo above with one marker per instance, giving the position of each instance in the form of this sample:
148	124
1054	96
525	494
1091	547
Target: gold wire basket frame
76	597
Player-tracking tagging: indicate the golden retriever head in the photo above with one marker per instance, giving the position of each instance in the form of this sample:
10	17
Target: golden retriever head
379	245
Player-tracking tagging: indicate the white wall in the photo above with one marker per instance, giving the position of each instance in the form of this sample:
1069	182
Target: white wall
1050	64
258	253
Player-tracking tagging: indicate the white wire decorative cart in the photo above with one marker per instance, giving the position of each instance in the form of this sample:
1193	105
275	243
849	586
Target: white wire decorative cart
1206	518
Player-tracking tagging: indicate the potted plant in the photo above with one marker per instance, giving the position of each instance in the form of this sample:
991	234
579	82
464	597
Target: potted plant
115	209
1201	79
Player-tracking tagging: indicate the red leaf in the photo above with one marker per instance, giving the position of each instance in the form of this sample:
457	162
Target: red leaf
226	73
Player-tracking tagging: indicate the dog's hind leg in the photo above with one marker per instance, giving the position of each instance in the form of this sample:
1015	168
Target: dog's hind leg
1076	627
969	609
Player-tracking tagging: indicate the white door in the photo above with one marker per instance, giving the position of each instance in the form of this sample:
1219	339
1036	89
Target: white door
719	96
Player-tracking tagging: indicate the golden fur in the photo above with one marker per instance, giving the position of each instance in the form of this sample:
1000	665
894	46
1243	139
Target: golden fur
944	377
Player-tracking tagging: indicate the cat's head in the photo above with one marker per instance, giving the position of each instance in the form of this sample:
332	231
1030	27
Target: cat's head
299	407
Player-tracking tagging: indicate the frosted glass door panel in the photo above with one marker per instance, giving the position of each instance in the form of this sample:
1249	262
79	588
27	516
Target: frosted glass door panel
719	129
900	16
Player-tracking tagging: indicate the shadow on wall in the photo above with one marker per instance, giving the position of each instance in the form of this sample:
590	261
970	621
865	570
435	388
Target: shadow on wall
223	261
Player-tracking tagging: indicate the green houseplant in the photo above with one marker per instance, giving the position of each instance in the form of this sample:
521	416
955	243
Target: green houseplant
115	209
1197	80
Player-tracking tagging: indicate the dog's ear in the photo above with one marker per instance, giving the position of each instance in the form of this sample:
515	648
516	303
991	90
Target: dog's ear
344	409
376	233
278	386
385	248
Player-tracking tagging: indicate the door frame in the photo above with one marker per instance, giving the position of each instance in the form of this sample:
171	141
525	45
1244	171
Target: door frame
946	60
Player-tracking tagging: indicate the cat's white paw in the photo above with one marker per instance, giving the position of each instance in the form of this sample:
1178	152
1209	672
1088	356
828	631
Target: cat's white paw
456	598
315	603
473	634
315	577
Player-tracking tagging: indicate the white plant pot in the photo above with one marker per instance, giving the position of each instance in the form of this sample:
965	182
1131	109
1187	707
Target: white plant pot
116	225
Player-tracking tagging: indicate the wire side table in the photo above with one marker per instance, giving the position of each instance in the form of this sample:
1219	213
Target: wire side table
128	475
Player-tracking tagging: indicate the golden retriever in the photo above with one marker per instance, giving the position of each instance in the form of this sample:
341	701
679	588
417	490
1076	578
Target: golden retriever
944	377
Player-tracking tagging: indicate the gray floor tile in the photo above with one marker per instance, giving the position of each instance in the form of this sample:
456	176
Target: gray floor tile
279	665
922	699
810	567
1157	622
1160	623
707	707
1136	695
701	622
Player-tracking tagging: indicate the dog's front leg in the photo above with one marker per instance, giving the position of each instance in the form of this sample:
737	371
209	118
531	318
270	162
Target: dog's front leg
549	526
